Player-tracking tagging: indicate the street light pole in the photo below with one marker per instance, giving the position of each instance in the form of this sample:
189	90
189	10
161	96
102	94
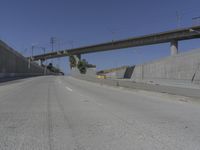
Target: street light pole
30	59
52	41
45	66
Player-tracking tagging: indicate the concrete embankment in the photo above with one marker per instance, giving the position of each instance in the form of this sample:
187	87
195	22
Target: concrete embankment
183	68
13	65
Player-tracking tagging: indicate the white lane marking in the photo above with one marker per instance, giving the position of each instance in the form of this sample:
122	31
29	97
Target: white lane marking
69	89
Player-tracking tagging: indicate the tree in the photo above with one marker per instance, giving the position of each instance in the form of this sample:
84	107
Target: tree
82	66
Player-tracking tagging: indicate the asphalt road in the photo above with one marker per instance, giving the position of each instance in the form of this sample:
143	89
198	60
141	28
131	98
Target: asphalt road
63	113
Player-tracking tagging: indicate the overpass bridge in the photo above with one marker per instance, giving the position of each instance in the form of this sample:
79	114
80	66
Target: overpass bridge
172	37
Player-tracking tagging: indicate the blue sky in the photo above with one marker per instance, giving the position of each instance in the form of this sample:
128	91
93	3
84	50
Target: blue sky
76	23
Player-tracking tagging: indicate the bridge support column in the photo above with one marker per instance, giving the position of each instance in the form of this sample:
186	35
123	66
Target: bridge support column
174	47
74	59
78	57
40	62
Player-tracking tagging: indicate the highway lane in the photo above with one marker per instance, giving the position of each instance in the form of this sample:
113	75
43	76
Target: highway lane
63	113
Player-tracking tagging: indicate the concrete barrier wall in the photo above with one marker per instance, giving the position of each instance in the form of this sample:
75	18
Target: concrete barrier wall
184	67
189	92
13	64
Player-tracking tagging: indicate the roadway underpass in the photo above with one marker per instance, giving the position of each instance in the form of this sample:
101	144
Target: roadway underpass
59	113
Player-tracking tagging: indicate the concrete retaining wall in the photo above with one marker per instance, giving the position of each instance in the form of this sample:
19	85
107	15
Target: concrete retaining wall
184	68
14	65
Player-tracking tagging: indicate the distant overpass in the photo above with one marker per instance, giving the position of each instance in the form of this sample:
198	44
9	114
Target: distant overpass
172	36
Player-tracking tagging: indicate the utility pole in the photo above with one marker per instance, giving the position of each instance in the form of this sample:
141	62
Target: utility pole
52	42
178	16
